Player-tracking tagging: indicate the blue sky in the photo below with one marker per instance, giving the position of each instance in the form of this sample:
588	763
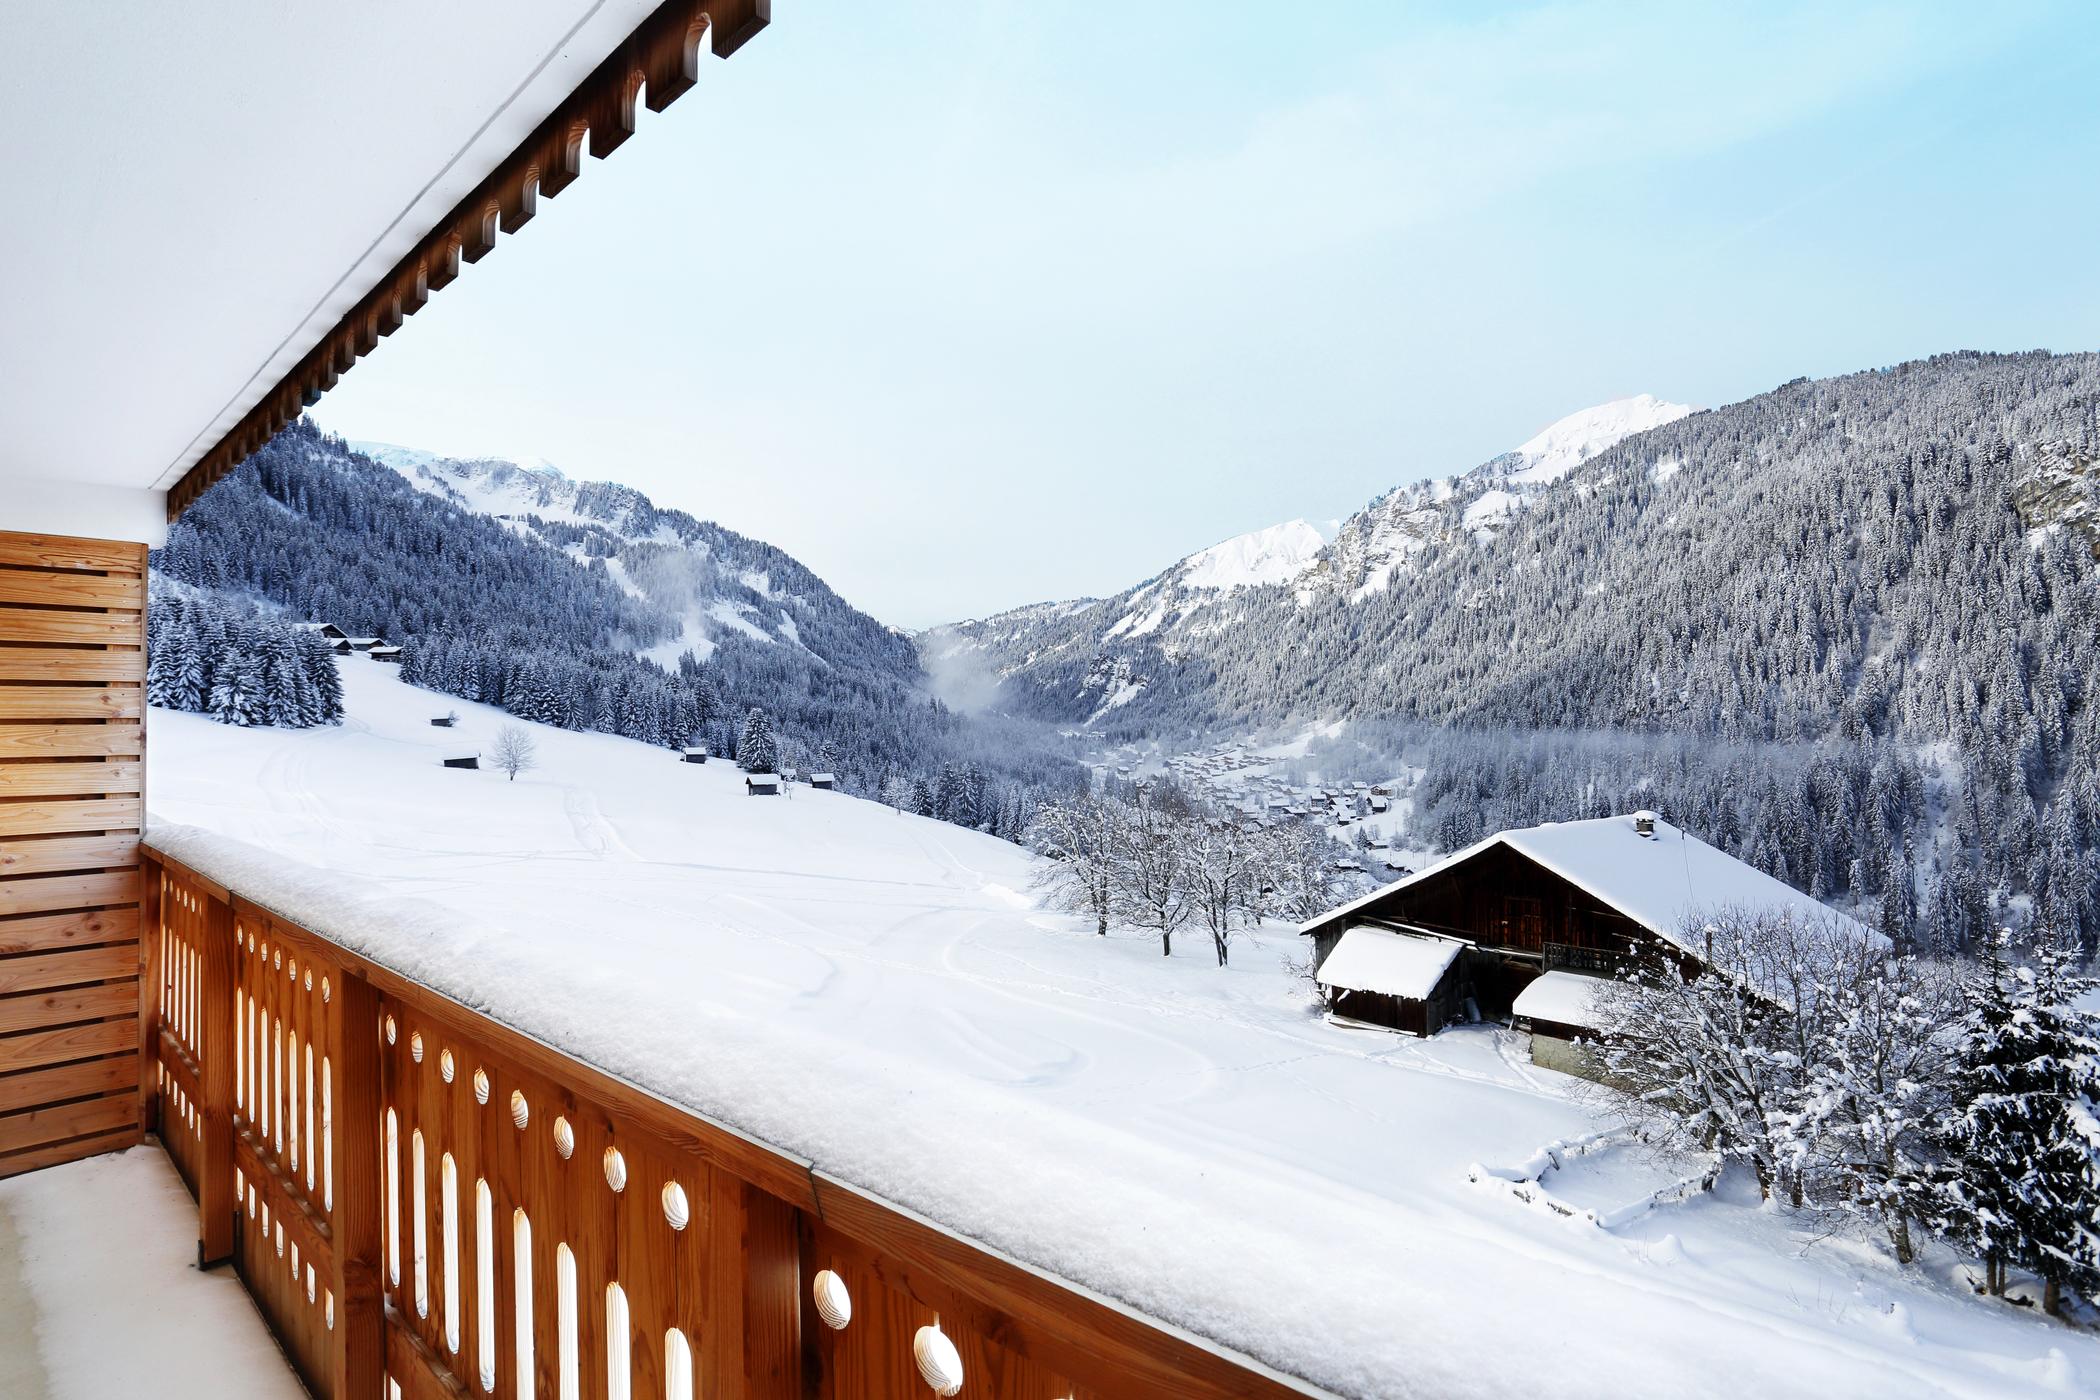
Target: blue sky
969	305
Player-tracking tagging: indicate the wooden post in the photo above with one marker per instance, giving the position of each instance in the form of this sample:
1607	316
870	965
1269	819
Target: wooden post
149	996
215	1075
358	1360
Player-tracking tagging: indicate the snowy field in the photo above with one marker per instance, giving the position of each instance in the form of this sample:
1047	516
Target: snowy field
878	992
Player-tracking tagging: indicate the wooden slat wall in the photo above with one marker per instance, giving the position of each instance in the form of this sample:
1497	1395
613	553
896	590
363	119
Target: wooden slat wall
72	787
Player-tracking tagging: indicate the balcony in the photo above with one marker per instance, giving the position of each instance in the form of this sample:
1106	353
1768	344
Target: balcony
414	1191
100	1293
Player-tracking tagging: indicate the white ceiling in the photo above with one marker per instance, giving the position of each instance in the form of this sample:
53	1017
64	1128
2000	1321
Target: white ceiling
195	193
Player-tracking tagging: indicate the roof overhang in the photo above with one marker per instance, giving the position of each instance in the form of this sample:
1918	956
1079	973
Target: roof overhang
218	209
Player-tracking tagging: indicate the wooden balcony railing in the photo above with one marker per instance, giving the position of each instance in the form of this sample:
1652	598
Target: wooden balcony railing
1576	958
418	1194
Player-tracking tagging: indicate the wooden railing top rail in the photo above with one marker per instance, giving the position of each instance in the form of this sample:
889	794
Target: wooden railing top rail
1108	1347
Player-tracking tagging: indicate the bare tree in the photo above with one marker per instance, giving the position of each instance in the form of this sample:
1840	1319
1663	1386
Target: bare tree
1880	1086
1707	1050
514	751
1298	871
1804	1047
1083	838
1220	858
1152	885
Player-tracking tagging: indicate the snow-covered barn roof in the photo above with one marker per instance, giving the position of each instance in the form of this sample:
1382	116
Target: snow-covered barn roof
1560	997
352	145
1664	883
1395	964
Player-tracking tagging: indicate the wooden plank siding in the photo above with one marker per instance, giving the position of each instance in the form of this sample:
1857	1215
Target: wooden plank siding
425	1195
72	789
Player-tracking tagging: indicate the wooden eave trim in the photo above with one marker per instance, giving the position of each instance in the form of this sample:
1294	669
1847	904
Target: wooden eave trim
657	63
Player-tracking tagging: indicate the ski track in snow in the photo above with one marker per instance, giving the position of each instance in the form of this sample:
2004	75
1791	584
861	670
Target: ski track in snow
1190	1138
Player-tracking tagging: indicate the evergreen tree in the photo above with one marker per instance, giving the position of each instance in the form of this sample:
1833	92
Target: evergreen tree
2023	1185
756	749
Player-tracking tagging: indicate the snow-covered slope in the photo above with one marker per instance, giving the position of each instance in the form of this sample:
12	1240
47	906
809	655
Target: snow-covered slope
1389	534
1567	444
715	581
1275	555
880	993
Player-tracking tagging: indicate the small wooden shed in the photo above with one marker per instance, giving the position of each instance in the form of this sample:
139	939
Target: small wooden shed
1403	981
463	760
761	785
693	753
386	653
823	780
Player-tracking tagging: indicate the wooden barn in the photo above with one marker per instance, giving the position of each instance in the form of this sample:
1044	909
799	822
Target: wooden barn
463	760
761	785
1565	897
824	781
694	753
386	653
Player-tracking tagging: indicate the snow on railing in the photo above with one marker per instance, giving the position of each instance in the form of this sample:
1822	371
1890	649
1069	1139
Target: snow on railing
417	1194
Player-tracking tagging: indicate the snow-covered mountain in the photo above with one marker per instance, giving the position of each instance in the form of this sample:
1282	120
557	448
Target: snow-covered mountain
1567	444
713	581
1357	557
579	603
1381	539
1275	555
1579	579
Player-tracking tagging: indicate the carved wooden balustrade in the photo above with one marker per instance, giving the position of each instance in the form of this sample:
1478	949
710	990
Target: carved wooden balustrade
417	1194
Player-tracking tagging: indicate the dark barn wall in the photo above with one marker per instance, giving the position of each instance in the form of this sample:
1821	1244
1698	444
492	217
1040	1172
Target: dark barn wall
1501	899
1401	1013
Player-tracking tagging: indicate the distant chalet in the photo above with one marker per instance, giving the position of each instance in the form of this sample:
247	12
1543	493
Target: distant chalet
1522	923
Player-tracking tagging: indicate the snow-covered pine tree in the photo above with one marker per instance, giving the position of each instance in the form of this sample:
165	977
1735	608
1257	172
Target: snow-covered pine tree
756	749
2023	1183
951	796
171	673
236	696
